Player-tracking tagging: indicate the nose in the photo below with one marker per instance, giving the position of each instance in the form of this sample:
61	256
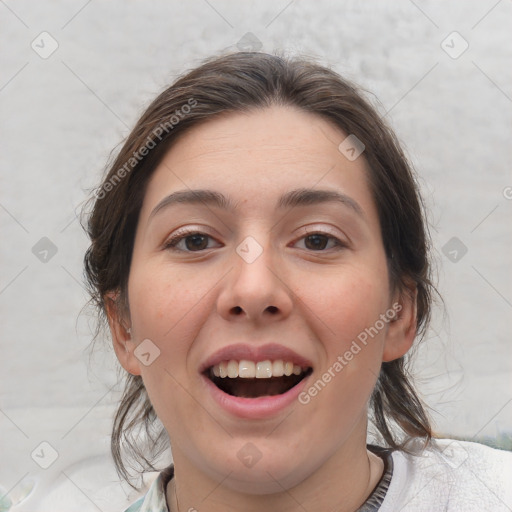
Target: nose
256	288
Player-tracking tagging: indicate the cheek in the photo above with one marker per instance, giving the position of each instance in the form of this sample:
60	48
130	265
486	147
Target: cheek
353	307
170	306
346	303
161	299
346	310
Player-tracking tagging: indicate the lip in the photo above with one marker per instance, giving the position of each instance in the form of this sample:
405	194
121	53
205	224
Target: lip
270	351
264	406
254	408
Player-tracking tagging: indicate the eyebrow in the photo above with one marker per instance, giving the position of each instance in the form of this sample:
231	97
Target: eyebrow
297	197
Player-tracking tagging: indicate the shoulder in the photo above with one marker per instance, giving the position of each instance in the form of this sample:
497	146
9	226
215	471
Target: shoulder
135	507
450	475
154	500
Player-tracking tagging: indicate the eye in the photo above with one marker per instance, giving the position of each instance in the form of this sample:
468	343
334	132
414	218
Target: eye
318	241
193	241
196	241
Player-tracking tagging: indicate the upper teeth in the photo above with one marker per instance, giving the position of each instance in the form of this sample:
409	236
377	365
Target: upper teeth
259	370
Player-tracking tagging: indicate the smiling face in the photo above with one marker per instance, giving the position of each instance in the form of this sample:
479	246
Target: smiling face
289	267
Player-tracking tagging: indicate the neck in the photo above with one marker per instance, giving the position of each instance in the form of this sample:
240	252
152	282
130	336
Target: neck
342	483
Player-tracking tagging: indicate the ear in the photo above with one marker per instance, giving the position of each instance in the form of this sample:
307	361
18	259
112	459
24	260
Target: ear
121	336
402	329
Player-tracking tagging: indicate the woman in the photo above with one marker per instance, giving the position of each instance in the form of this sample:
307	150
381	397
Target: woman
260	253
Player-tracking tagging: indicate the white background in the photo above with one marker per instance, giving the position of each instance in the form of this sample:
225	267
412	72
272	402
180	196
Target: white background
62	115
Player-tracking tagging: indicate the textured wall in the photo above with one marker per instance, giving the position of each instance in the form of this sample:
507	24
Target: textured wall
63	112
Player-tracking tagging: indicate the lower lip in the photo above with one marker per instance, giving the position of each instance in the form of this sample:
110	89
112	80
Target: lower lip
255	408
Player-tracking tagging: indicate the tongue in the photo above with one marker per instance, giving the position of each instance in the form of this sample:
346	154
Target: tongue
253	388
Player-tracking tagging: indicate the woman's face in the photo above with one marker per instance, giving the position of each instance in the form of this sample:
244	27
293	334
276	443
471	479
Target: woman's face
282	271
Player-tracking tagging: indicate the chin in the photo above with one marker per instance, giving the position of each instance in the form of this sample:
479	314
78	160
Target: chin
261	473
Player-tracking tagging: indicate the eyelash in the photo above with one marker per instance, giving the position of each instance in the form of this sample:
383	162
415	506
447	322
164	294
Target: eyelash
177	238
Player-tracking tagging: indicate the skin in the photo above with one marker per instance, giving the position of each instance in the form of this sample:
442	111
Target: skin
313	456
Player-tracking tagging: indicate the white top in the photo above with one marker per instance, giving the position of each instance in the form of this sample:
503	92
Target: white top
462	477
459	476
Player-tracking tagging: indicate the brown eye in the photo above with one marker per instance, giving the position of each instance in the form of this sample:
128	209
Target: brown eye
196	242
318	242
190	242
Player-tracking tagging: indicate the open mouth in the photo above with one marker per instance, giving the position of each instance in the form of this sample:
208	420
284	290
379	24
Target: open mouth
248	379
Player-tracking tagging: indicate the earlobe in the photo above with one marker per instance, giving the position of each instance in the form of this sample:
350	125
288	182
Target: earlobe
121	334
402	330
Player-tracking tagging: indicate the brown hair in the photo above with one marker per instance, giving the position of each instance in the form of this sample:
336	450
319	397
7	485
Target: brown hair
243	82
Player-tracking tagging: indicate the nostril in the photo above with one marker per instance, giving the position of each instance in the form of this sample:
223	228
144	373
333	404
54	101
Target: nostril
237	310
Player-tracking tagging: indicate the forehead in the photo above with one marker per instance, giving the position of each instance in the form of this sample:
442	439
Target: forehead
287	133
255	157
